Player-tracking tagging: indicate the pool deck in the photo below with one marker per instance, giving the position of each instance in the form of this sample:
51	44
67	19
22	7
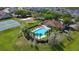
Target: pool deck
40	37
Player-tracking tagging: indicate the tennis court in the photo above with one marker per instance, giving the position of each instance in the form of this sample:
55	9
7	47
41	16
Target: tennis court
8	24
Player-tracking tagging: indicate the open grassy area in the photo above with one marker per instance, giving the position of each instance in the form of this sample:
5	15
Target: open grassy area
74	44
8	39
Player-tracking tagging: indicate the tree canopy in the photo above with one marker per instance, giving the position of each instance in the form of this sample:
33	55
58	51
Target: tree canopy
67	18
77	19
22	13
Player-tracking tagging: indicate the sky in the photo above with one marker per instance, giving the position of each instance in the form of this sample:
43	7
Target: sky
38	3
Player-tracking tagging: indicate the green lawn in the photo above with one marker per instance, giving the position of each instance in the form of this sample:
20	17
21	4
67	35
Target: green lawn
74	44
8	39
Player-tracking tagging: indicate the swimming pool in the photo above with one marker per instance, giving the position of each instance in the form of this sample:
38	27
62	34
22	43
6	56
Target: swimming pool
40	32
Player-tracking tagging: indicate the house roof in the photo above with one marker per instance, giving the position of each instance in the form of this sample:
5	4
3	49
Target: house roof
53	23
75	26
3	15
6	10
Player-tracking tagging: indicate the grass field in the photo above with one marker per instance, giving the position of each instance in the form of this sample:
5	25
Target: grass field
74	44
8	39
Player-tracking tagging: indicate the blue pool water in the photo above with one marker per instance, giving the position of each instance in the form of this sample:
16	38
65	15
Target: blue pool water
40	31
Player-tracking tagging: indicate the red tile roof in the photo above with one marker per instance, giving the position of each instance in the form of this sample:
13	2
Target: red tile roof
53	23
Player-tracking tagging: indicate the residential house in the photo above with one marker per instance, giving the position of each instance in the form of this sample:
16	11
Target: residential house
53	23
75	26
4	15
